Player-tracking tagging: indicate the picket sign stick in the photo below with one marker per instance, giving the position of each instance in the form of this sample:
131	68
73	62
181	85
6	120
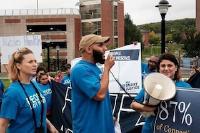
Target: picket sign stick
121	86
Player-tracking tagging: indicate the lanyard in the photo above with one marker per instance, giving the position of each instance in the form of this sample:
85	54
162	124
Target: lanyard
31	104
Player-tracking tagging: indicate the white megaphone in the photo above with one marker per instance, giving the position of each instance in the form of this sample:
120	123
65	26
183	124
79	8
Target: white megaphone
158	87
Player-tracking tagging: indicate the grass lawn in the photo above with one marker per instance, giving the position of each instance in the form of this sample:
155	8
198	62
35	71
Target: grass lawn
6	82
152	50
175	49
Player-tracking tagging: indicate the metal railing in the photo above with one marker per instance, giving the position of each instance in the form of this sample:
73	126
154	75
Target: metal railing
51	11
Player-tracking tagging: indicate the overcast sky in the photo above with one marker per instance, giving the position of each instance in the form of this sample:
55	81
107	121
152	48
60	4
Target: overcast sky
141	11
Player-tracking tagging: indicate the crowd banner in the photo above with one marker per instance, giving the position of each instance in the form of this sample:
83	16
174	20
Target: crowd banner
180	114
10	44
61	109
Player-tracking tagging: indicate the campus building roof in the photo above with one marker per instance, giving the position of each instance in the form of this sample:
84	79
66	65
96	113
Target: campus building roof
52	11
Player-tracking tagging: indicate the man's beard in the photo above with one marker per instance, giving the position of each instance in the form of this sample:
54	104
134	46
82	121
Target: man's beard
98	57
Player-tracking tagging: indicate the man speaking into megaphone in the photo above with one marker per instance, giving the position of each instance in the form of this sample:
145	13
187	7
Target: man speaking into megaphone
158	87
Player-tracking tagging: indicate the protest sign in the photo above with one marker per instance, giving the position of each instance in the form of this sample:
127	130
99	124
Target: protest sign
10	44
180	114
127	69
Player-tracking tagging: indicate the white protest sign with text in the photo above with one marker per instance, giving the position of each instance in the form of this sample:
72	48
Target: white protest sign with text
10	44
127	69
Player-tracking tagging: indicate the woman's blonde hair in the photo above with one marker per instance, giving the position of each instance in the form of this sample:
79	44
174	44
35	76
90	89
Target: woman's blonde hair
17	57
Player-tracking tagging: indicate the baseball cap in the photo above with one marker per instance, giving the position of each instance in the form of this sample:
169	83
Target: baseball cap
90	39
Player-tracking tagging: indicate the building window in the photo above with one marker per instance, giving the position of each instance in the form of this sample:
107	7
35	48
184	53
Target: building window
115	42
91	28
45	28
115	28
54	44
115	12
90	11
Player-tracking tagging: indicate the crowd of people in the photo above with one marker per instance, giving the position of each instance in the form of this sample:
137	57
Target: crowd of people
26	103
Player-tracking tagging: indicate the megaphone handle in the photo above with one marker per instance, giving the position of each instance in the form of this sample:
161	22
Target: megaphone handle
146	98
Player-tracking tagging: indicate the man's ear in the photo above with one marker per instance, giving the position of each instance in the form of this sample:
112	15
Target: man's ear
88	49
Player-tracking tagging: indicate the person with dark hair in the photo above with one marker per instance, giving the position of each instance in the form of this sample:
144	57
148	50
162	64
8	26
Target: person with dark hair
91	106
66	78
194	70
169	66
40	69
23	106
44	84
59	76
151	66
194	79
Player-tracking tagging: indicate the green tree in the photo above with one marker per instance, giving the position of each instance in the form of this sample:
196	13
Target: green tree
153	38
169	38
132	33
175	27
176	36
192	43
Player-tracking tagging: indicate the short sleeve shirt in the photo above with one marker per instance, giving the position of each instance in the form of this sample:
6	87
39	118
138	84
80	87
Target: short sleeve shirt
89	115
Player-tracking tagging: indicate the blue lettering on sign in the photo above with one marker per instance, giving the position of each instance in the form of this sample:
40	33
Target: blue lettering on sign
130	86
33	41
11	43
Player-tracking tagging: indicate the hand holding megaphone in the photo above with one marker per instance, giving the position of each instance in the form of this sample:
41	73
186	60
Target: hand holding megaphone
158	87
109	62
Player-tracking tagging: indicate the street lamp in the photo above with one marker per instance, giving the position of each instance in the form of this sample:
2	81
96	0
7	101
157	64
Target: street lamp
58	49
37	5
48	57
163	8
47	39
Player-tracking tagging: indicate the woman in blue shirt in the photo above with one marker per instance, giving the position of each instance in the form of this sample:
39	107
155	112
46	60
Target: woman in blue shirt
44	85
23	107
169	66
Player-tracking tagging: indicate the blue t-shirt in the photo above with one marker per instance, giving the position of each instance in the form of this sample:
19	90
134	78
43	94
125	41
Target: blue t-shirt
145	68
149	122
66	80
47	92
16	108
89	115
1	91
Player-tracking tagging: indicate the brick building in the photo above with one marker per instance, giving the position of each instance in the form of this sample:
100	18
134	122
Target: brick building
59	28
198	15
145	37
103	17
